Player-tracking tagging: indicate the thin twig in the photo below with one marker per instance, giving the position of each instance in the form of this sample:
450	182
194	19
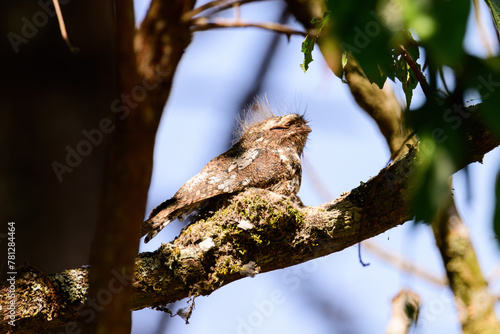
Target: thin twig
203	23
218	5
237	11
403	264
425	65
414	68
441	75
62	27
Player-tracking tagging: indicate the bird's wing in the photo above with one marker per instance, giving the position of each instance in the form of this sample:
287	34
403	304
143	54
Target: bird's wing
230	172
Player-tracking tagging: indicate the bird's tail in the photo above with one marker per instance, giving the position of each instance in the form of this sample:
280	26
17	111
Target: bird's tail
158	219
153	226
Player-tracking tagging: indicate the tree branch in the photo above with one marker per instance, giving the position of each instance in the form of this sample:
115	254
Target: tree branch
217	5
202	23
474	303
381	105
118	214
62	27
144	80
404	264
160	43
426	88
256	231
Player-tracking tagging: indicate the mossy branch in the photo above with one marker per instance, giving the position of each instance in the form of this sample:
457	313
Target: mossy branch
253	232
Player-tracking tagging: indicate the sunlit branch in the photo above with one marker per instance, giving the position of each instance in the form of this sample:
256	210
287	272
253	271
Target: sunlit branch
62	27
418	73
218	6
202	23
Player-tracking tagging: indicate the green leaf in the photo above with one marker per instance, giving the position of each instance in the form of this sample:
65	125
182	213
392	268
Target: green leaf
376	75
402	69
496	218
440	25
408	79
438	124
494	6
413	49
307	48
431	179
359	30
483	75
308	44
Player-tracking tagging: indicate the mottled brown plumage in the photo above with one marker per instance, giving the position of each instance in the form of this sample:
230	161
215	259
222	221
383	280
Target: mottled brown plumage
266	156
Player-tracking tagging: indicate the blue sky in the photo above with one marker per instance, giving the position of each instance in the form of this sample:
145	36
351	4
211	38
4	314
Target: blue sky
327	295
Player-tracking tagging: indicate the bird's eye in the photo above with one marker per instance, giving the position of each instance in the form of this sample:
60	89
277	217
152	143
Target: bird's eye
278	128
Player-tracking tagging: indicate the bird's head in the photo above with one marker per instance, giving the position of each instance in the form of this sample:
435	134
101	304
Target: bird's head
277	131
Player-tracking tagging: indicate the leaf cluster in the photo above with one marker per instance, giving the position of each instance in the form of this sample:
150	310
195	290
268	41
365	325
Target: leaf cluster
414	43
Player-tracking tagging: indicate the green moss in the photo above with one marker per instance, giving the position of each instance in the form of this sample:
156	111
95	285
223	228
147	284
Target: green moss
227	266
270	224
256	238
299	216
72	283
